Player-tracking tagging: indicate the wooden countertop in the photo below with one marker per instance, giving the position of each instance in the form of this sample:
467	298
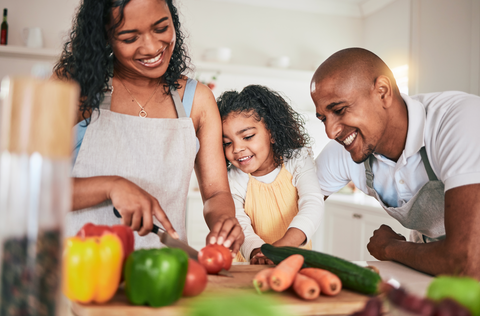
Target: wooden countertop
414	281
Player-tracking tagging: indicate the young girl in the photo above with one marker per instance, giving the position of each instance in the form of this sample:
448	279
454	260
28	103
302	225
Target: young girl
270	170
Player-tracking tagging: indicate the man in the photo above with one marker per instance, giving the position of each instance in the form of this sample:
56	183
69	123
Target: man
418	156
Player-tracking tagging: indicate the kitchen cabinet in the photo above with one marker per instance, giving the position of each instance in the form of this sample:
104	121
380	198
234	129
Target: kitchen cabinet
349	222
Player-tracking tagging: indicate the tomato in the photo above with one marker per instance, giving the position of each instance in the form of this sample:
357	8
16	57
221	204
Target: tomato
196	280
211	259
226	254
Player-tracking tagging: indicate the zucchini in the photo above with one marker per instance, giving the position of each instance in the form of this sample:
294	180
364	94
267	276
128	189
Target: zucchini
353	276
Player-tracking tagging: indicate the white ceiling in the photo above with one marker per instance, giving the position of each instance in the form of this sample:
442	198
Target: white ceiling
351	8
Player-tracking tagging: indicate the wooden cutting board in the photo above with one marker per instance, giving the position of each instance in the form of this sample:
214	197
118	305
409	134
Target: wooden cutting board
344	303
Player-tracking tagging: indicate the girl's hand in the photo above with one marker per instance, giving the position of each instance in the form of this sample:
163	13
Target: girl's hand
228	232
257	257
138	207
294	237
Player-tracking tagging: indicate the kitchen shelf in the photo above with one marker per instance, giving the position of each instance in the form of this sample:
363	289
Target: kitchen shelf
28	52
281	73
198	67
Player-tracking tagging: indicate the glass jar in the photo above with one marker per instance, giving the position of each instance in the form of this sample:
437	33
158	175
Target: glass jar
35	192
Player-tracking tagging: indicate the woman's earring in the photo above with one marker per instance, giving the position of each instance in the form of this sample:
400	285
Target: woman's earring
109	48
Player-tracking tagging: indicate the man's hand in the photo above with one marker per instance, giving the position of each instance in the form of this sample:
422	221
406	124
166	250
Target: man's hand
381	239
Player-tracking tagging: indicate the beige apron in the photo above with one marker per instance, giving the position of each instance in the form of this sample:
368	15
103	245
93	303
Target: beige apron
424	213
156	154
271	207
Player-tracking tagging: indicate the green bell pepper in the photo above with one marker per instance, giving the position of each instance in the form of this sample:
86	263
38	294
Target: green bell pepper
155	277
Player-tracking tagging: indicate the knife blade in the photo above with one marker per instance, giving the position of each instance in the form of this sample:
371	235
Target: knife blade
171	242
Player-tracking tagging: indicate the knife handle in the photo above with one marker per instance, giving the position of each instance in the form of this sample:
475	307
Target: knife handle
155	228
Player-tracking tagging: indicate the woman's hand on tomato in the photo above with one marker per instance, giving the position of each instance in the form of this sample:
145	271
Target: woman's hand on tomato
227	232
215	258
196	280
138	207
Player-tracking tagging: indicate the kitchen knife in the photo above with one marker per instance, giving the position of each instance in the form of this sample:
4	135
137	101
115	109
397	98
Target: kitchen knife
171	242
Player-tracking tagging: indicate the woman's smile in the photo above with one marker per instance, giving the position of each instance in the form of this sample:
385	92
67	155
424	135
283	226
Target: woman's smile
152	62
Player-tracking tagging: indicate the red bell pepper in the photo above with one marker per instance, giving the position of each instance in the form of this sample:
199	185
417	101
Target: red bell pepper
123	232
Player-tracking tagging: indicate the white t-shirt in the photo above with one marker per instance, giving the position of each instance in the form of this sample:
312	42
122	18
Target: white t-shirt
310	202
446	123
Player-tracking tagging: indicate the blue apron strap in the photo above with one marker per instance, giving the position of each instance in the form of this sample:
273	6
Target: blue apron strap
188	95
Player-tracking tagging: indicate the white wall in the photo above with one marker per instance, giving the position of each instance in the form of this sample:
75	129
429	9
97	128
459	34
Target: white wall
387	33
445	46
256	34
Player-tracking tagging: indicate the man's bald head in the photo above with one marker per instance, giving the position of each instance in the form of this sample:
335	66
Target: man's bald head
356	66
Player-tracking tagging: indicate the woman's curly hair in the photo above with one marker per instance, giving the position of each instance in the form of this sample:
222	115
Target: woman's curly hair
285	125
87	55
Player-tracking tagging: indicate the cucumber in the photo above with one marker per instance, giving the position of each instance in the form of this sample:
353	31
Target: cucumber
353	276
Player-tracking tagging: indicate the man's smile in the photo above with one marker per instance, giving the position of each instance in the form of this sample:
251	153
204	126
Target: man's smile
350	138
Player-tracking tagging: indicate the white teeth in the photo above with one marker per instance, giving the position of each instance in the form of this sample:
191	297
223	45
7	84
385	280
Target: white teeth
350	139
149	61
244	158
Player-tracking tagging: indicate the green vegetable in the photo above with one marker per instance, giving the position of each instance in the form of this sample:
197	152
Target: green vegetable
155	277
236	304
353	276
464	290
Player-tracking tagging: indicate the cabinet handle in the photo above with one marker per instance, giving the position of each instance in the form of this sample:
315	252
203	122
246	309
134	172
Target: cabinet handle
357	215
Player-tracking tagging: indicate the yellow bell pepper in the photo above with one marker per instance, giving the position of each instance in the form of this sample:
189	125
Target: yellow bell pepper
92	268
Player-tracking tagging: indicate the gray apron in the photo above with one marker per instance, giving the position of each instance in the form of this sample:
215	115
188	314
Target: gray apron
156	154
424	213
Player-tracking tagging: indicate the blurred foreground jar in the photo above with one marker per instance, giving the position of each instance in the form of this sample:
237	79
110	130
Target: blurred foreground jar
35	191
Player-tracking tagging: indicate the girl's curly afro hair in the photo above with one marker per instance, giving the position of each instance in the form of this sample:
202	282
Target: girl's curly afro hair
285	125
87	56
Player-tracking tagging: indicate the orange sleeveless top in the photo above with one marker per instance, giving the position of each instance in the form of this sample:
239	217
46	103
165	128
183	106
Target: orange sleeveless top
271	207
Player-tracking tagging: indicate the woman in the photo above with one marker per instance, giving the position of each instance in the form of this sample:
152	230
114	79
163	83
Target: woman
140	142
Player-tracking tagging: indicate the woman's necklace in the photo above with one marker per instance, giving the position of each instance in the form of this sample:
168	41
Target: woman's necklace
142	113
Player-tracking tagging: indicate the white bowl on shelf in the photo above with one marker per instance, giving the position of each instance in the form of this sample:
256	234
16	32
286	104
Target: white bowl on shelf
220	54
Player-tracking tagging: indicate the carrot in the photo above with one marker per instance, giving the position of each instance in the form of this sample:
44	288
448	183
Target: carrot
260	281
329	283
306	287
284	273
